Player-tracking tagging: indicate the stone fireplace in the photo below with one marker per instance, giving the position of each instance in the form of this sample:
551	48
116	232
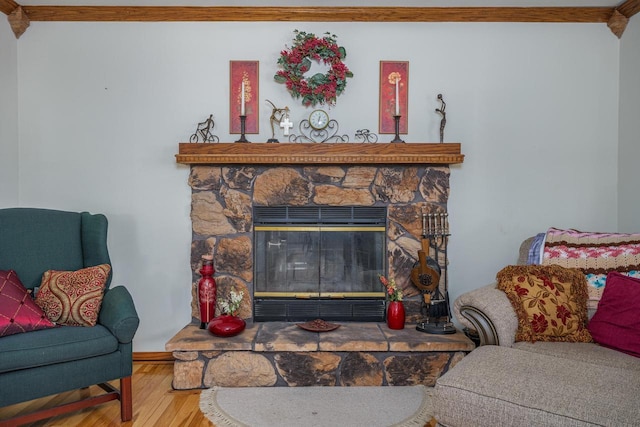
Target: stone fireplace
232	183
224	199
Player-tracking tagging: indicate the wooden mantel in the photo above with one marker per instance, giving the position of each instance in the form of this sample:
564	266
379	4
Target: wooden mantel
319	153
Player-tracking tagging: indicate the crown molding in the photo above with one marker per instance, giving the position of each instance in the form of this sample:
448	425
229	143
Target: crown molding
318	14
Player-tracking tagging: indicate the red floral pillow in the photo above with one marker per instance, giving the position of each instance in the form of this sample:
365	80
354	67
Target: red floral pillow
549	300
73	298
616	323
18	312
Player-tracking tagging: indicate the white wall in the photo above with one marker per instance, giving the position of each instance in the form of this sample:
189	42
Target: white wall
628	172
8	116
104	105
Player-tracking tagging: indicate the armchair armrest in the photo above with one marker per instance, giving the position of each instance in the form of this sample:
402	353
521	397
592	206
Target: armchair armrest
489	312
118	314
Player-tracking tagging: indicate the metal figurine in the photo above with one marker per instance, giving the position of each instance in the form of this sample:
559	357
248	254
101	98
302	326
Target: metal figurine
443	122
366	136
279	116
204	131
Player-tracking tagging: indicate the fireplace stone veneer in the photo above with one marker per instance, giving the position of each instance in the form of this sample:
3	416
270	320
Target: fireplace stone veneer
223	198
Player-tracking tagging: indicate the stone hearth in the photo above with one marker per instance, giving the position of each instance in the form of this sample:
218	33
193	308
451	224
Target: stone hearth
282	354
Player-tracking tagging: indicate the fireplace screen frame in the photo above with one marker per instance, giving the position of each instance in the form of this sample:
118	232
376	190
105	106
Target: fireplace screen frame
312	300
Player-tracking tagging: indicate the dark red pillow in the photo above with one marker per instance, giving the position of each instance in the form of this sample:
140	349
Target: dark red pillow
616	322
18	311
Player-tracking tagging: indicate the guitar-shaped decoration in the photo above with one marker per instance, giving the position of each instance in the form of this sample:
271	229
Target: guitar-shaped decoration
426	272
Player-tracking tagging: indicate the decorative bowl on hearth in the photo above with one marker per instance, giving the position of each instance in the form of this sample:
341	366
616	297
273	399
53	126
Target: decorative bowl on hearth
226	325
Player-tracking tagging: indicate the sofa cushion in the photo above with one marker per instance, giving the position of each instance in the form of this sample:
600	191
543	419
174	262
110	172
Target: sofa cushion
18	312
550	302
616	323
501	386
73	298
49	346
582	352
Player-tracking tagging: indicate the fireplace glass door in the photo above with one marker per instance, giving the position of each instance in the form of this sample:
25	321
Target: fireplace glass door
319	261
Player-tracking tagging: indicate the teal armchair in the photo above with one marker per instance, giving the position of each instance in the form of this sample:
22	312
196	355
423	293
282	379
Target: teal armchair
50	361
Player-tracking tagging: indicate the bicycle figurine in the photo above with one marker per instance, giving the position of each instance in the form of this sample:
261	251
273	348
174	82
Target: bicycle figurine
204	131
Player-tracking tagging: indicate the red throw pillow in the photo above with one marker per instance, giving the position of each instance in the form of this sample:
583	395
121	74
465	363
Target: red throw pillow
18	312
616	322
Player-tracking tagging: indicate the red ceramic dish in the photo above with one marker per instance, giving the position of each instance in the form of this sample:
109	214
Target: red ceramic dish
226	326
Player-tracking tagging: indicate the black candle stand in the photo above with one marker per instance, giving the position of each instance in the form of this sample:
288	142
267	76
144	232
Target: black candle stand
397	139
243	124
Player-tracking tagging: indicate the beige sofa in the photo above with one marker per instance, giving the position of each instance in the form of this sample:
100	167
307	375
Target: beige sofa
508	383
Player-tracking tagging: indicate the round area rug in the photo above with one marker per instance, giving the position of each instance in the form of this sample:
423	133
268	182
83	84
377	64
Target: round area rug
390	406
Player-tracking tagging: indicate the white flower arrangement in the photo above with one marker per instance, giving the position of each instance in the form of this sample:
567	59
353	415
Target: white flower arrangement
233	304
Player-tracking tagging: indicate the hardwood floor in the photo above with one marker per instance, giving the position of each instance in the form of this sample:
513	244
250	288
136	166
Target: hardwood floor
155	403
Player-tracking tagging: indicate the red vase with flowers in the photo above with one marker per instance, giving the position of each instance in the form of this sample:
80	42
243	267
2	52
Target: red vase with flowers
395	306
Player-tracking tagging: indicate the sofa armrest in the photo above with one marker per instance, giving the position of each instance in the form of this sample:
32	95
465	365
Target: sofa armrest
118	314
490	313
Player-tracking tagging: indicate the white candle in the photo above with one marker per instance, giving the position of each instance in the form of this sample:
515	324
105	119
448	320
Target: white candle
397	98
242	100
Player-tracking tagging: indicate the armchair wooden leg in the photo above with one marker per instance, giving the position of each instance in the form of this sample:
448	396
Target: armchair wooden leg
126	401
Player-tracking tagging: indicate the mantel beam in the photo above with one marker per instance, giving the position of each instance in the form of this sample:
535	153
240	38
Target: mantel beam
317	153
320	14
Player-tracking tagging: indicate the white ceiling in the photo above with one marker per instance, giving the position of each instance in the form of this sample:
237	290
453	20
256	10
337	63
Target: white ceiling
303	3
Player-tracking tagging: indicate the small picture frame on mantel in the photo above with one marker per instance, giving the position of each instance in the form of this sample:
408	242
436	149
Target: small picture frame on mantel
244	92
394	96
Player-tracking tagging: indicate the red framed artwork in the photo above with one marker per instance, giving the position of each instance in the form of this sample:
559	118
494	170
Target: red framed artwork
243	83
394	95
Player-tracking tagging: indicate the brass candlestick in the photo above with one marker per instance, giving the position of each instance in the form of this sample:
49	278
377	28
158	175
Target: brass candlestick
396	119
243	123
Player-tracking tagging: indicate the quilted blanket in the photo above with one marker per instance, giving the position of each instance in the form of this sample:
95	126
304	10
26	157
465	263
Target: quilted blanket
596	254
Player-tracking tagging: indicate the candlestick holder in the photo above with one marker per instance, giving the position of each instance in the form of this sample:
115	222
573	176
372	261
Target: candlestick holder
243	123
396	119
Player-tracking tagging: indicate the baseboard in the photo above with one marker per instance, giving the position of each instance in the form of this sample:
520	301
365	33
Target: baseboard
152	356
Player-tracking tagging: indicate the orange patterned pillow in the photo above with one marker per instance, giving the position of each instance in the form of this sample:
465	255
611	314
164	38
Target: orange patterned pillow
73	298
550	301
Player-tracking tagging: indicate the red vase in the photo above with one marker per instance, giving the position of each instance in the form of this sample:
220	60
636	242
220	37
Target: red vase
207	291
226	325
395	315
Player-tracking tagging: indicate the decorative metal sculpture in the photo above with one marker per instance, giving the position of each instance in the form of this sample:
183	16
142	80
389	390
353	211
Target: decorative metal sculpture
443	122
279	117
366	136
203	131
328	134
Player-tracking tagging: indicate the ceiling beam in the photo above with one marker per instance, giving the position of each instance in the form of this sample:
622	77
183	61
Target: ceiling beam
629	8
620	16
319	14
8	6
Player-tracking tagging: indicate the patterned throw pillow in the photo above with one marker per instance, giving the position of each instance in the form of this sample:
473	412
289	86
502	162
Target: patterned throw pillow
18	312
550	302
73	298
